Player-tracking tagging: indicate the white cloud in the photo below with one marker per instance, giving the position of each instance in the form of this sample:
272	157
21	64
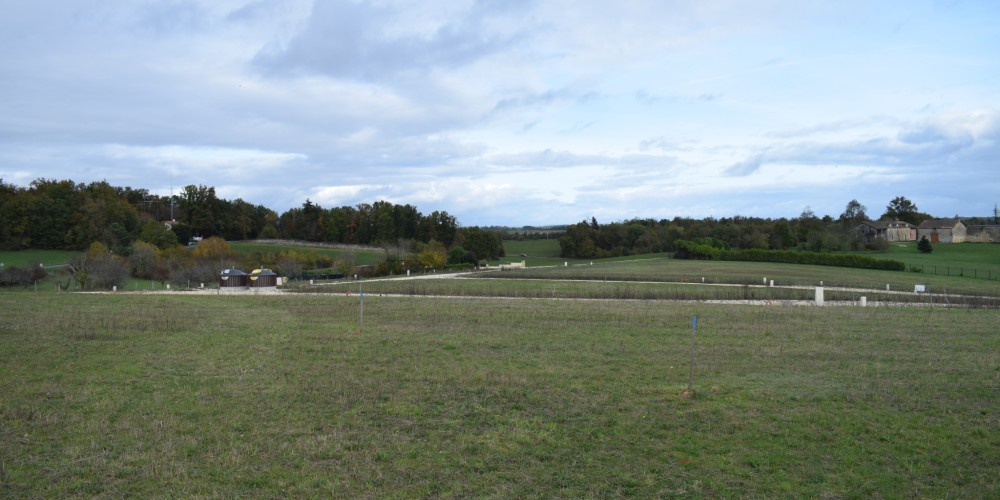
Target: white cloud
510	112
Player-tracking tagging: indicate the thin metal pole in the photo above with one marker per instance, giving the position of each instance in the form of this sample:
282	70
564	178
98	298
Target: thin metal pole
362	325
694	326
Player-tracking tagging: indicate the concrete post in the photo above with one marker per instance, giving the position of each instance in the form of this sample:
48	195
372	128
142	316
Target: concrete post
819	296
864	301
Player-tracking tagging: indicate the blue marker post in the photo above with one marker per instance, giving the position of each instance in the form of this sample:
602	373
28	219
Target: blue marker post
362	325
694	326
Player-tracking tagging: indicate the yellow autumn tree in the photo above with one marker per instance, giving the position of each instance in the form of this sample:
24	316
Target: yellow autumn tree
212	248
433	255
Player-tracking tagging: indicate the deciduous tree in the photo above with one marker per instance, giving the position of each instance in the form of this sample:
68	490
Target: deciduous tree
902	209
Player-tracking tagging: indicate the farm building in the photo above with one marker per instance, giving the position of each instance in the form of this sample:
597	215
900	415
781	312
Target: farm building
983	233
942	230
262	280
232	280
896	230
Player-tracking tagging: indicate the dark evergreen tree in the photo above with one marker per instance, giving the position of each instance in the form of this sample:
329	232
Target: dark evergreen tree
924	245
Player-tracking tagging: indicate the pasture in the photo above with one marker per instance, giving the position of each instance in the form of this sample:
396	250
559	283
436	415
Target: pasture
659	268
980	260
362	255
285	396
25	258
545	250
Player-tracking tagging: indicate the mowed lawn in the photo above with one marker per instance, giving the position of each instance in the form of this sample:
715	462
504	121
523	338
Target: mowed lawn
283	396
981	260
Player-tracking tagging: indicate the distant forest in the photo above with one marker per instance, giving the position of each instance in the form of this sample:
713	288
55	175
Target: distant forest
61	214
808	232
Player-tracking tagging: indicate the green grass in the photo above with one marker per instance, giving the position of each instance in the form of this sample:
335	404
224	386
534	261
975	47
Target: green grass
972	260
981	260
535	249
754	273
361	257
480	286
25	258
197	396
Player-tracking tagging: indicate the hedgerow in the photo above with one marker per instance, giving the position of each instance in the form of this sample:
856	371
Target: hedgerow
692	250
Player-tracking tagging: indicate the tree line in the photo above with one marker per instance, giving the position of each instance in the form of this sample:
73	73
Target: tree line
61	214
808	232
124	233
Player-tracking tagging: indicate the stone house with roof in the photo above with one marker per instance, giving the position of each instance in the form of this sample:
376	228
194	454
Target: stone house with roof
942	230
895	230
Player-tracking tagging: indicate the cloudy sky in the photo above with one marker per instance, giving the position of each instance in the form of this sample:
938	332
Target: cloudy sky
513	111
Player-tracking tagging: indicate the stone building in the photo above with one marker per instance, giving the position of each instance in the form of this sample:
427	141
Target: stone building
942	230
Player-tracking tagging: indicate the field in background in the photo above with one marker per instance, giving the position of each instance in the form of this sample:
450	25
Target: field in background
183	395
361	256
479	285
25	258
970	259
754	273
534	249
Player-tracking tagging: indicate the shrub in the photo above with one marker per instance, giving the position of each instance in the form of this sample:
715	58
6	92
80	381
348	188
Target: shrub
455	255
99	269
345	263
201	272
877	244
142	260
289	266
107	272
924	245
10	276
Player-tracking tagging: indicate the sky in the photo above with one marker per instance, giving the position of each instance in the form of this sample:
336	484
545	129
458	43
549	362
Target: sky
513	112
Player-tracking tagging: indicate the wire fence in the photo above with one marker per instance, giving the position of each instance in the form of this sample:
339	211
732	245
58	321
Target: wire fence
966	272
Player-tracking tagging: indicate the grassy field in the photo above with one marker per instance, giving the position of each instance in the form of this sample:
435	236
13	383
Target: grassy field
25	258
535	249
981	260
282	396
361	257
479	285
754	273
